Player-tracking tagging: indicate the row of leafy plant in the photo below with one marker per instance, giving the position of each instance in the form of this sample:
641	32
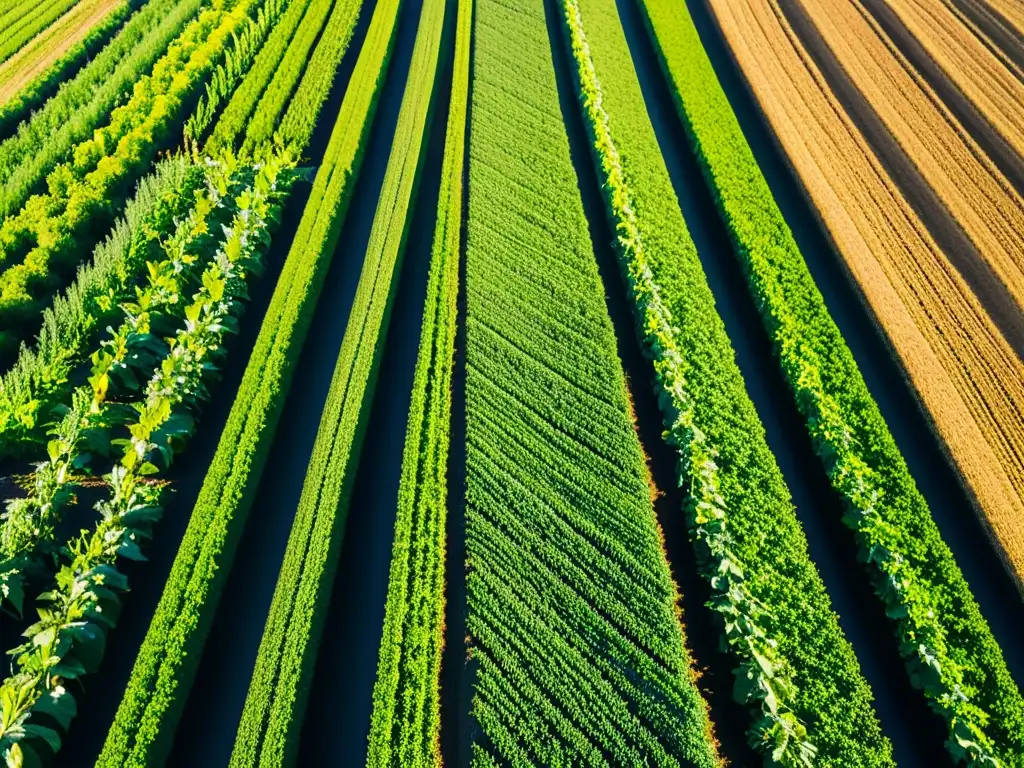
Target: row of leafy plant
19	31
32	95
575	644
38	380
238	60
120	363
948	647
278	693
405	726
650	231
81	608
143	729
47	237
85	102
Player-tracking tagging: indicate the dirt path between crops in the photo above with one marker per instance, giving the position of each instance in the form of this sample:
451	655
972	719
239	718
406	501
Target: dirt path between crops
40	52
995	32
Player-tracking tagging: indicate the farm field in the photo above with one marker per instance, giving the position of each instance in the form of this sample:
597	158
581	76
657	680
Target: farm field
512	382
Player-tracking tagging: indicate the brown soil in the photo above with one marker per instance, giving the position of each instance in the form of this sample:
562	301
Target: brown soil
968	378
51	44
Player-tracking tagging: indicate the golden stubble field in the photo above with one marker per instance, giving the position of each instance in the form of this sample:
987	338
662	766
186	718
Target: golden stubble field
968	378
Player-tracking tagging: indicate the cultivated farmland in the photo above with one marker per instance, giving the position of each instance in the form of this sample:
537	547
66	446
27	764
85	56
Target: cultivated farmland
512	382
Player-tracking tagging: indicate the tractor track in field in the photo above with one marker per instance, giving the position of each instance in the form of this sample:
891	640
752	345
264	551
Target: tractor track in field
222	682
992	585
999	34
999	151
941	224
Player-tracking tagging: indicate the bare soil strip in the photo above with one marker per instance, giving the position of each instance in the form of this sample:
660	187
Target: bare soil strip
975	85
1012	12
994	31
965	373
969	186
51	44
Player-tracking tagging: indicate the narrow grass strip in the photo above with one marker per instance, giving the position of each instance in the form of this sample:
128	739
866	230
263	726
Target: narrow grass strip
405	727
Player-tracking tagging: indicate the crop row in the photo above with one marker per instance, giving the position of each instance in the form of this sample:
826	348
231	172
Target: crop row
79	611
230	125
18	32
405	726
741	521
49	234
260	126
120	363
577	649
238	61
84	103
31	97
947	645
278	693
165	668
35	382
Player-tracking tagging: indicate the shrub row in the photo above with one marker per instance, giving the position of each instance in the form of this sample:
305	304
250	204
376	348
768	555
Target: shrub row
405	727
946	643
165	668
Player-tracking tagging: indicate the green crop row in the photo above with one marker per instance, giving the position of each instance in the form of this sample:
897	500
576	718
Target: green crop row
20	31
405	726
45	84
50	233
230	126
726	505
297	124
85	102
165	668
39	376
260	127
945	641
238	61
571	611
278	693
82	607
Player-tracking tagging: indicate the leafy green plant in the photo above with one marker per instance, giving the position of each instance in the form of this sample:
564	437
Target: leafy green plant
77	614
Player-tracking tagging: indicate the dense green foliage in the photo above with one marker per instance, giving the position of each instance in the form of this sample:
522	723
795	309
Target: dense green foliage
405	726
230	126
38	380
277	696
84	103
83	605
948	647
237	62
45	84
571	610
48	236
791	680
166	666
19	31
